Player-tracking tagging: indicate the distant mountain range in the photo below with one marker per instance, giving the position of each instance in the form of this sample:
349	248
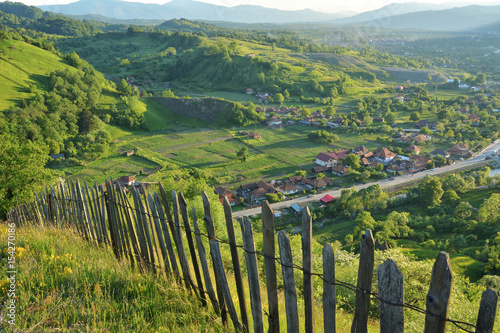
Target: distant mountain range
394	16
453	19
189	9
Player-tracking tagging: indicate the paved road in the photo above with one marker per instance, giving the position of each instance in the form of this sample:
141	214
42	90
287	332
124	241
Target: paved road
479	157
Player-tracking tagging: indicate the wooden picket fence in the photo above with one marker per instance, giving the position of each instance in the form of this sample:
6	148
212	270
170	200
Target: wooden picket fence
150	230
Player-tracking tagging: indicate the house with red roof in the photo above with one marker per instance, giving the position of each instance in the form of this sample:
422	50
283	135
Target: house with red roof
384	155
328	199
327	159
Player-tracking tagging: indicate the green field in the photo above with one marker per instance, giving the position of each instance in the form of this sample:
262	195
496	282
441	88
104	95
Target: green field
22	64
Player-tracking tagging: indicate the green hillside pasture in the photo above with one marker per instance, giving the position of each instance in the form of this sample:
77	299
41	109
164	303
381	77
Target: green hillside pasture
158	117
115	166
22	64
288	146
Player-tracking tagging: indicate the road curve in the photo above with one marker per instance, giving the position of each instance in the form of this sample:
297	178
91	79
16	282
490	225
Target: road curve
384	183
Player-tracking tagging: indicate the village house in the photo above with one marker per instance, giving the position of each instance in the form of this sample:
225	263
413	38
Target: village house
328	199
360	150
384	155
339	170
413	148
288	189
253	135
319	183
249	91
129	153
440	152
275	121
327	159
125	181
461	149
320	169
378	119
57	156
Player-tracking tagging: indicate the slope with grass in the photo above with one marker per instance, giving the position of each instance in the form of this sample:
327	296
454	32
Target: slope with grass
22	65
65	283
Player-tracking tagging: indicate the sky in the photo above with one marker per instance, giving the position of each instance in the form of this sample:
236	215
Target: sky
329	6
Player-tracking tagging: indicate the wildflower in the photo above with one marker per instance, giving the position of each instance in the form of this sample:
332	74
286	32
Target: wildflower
68	270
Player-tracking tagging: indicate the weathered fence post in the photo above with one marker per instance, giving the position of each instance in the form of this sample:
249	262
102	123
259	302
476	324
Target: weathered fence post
487	311
270	264
329	300
236	262
390	289
364	283
253	274
166	236
180	244
189	236
218	265
204	264
439	295
307	264
292	314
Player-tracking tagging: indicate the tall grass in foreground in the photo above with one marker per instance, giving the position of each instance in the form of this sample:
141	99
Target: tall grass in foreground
64	284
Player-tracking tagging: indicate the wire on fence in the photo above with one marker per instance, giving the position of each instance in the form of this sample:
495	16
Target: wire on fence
458	324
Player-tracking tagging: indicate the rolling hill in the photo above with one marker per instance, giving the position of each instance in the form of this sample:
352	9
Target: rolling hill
22	65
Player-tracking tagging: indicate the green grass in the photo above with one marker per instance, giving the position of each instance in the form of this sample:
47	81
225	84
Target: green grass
22	65
476	198
65	284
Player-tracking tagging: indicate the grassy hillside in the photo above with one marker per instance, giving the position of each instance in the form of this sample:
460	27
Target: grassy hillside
65	283
22	65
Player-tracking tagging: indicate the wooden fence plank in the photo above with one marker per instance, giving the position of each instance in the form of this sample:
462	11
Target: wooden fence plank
204	265
236	262
487	311
143	220
131	231
439	295
364	283
390	288
189	235
166	237
209	223
181	252
292	314
141	236
219	268
168	213
308	269
329	300
270	264
253	274
159	234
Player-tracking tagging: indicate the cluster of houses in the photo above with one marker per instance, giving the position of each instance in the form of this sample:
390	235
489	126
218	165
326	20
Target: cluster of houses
391	161
254	193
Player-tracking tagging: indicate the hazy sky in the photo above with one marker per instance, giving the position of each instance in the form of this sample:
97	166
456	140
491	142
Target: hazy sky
331	6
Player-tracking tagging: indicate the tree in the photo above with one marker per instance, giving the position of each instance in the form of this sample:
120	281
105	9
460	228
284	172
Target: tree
330	111
450	197
123	87
415	116
305	112
22	171
389	117
242	153
480	78
353	161
431	191
364	221
425	130
489	211
279	98
301	173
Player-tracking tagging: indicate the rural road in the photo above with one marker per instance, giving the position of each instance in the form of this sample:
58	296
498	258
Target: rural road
479	157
